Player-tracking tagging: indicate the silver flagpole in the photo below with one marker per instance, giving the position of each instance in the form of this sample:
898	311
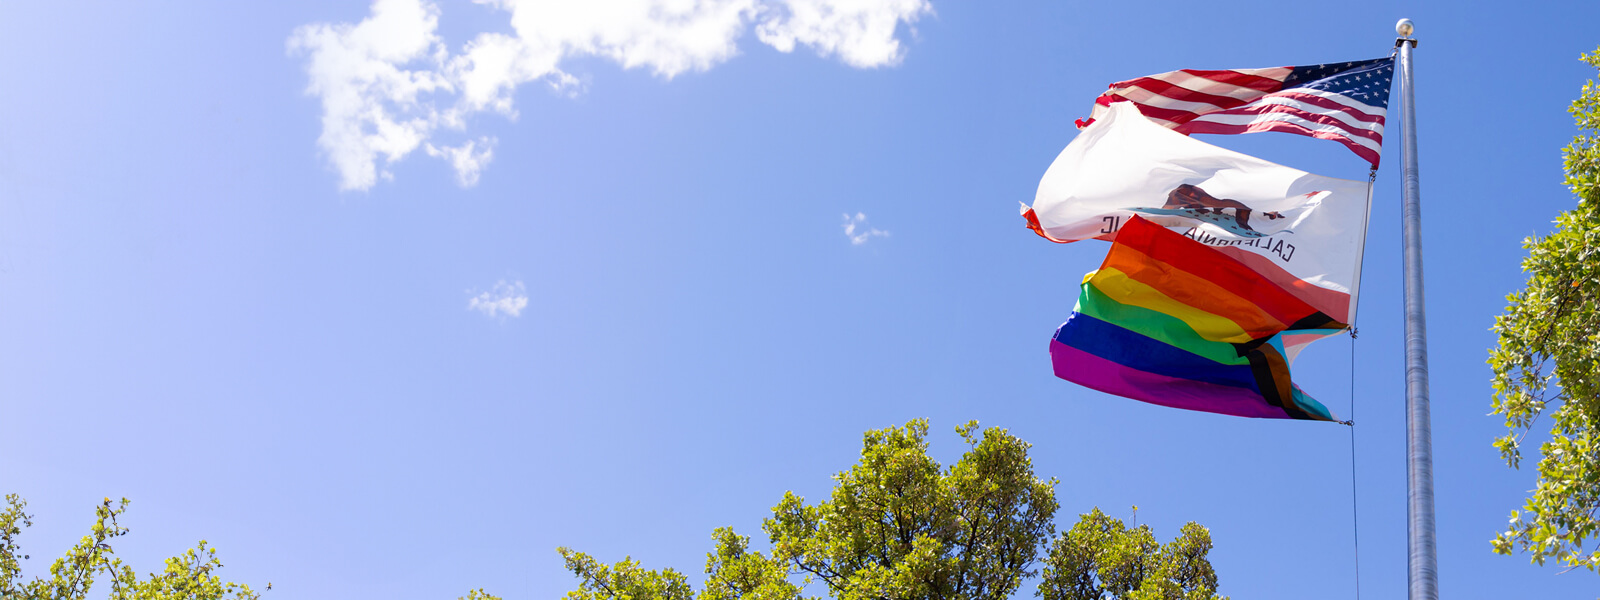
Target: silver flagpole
1424	575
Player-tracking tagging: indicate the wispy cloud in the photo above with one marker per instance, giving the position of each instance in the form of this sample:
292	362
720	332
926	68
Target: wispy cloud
389	85
855	228
467	159
506	299
859	32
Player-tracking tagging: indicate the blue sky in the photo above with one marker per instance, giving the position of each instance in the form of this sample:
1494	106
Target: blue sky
641	314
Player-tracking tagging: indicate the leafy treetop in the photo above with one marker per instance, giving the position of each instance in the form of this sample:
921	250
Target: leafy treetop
898	525
1547	361
188	576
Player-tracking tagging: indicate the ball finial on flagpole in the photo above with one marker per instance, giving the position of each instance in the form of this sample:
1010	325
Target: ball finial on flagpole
1404	28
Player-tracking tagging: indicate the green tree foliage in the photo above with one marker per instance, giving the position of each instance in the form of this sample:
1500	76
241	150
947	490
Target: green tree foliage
1548	362
625	580
1102	558
898	525
733	572
186	577
189	576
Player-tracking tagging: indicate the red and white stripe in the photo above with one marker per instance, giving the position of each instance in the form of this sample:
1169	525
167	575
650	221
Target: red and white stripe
1302	111
1246	101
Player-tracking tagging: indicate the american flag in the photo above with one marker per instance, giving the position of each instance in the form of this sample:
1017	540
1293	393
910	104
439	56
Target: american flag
1345	102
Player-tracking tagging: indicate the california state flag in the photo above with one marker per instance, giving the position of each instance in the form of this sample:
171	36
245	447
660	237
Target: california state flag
1303	230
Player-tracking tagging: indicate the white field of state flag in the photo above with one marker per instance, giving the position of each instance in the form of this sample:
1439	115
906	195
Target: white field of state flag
1124	164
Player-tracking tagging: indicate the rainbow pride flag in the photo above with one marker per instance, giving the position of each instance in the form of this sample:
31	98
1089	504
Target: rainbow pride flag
1171	321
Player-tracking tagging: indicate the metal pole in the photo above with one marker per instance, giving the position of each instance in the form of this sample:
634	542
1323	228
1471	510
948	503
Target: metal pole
1423	568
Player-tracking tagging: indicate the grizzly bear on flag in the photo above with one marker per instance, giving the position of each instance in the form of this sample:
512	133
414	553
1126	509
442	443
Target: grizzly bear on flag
1192	197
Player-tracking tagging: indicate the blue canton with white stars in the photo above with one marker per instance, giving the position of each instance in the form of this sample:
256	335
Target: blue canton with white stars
1365	81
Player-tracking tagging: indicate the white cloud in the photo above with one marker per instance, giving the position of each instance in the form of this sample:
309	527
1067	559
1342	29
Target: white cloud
372	103
860	32
855	228
505	299
389	85
465	159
